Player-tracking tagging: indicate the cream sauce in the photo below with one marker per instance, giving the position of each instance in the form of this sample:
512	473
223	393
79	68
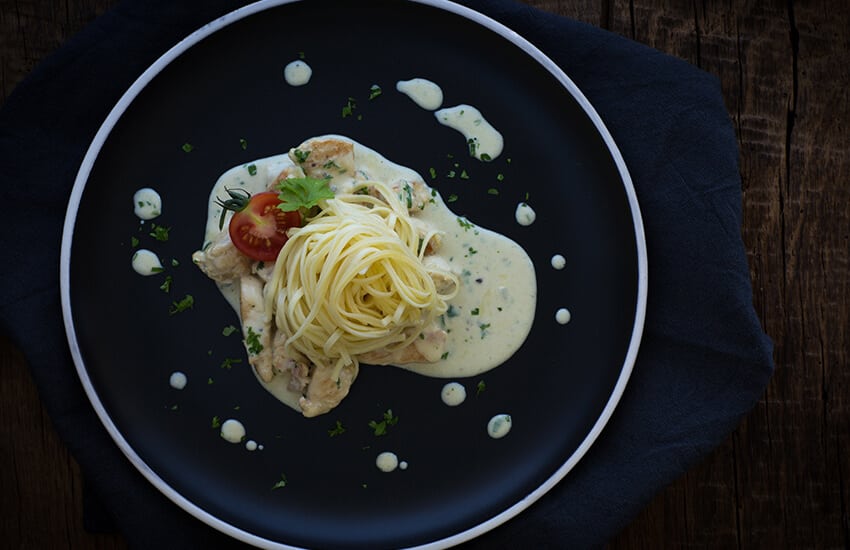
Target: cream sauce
387	461
232	431
563	316
484	141
177	380
558	262
525	215
297	73
453	394
493	311
499	426
424	93
147	204
146	262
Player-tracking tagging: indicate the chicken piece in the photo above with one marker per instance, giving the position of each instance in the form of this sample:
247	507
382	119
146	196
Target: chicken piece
256	326
413	194
325	390
437	268
221	260
325	157
282	363
286	173
428	348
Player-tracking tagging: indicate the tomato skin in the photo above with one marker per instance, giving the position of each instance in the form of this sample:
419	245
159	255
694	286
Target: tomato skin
259	230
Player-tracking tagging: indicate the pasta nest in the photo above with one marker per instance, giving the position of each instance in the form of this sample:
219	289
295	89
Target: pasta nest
353	280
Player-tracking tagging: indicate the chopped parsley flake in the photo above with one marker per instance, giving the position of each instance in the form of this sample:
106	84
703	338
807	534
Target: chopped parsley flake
166	284
464	175
157	269
500	177
349	107
451	312
374	91
186	303
134	242
480	388
485	157
187	147
281	483
243	143
252	342
492	191
380	428
252	169
474	311
174	262
338	429
228	330
216	423
484	327
432	172
159	232
472	251
452	198
210	381
464	223
444	356
451	174
229	362
301	156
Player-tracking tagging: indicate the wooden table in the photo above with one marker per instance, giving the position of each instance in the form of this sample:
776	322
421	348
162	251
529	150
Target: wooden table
782	479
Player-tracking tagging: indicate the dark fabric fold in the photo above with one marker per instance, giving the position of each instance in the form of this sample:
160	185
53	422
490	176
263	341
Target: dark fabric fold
704	360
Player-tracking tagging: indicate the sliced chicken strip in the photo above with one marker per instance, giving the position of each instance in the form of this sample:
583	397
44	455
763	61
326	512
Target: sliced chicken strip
256	326
221	261
325	390
426	349
325	158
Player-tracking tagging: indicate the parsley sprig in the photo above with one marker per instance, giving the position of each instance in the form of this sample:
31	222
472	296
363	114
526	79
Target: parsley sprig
303	193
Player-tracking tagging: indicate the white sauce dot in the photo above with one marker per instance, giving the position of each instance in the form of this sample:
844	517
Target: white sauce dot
147	204
453	394
471	123
232	431
423	92
251	445
297	73
525	215
563	316
177	380
558	261
387	461
402	465
499	426
146	262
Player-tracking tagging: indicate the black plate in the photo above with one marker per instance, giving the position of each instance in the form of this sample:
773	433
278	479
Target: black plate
224	84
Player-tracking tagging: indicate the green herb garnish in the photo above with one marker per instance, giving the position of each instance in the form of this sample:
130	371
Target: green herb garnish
252	342
338	429
159	232
186	303
374	91
228	330
380	427
281	483
298	193
166	284
187	147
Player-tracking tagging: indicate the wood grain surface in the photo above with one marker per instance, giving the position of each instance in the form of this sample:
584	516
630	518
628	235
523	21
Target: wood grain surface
781	479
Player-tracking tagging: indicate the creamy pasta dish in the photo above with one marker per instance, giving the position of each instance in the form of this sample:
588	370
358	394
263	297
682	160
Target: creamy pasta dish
334	257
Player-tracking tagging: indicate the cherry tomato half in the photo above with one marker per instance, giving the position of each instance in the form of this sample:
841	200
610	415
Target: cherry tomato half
259	230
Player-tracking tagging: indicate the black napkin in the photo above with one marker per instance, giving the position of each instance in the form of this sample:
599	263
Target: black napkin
704	360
